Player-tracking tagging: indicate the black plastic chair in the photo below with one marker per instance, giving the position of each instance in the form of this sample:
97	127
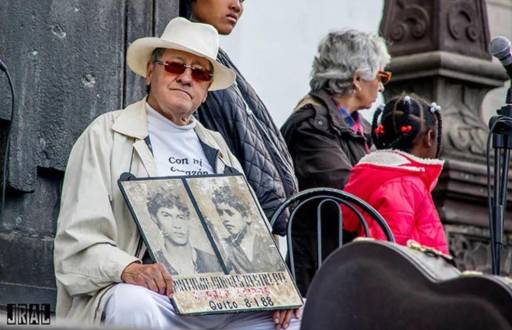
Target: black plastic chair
325	197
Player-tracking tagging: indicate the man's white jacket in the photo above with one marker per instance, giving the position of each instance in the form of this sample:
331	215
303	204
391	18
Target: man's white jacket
96	236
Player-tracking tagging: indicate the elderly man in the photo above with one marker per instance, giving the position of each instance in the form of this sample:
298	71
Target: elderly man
98	250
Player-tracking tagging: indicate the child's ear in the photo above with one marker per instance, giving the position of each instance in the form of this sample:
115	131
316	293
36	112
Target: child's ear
430	138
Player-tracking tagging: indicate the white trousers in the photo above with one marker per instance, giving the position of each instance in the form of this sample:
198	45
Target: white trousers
135	306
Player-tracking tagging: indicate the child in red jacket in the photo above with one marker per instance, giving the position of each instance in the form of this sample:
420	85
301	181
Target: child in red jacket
398	178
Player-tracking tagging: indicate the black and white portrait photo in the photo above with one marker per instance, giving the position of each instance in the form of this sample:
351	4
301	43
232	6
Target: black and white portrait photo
172	228
175	221
238	225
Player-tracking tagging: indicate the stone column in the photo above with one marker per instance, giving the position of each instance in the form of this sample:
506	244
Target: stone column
67	61
439	51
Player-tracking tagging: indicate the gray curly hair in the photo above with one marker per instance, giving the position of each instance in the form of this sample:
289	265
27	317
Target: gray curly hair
343	53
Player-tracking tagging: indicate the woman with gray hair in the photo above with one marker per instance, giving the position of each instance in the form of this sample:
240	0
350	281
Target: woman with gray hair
325	135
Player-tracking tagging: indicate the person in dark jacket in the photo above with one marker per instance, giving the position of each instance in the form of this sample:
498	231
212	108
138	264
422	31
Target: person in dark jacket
240	116
326	135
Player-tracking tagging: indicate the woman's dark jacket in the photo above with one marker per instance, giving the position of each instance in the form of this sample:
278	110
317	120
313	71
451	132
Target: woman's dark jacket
254	139
324	149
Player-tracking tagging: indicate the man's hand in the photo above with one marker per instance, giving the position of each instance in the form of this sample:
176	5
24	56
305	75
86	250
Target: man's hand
151	276
282	317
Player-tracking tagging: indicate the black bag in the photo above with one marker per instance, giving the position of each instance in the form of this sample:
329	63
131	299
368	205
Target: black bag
371	284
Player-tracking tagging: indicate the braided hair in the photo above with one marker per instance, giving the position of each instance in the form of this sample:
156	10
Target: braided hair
403	119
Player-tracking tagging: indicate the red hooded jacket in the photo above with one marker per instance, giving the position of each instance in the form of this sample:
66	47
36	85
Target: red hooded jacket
398	185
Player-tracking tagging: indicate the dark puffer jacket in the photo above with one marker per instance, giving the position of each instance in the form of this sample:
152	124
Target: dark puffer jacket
254	139
324	149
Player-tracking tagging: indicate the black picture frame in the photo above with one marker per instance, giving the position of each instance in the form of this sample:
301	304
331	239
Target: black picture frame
212	236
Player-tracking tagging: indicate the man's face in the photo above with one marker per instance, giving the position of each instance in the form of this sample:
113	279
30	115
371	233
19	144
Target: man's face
174	223
177	96
222	14
232	220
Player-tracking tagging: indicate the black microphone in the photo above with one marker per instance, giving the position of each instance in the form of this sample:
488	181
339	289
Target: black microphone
500	48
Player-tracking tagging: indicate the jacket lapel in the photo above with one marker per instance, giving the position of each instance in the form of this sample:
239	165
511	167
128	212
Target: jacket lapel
133	123
211	154
146	157
211	149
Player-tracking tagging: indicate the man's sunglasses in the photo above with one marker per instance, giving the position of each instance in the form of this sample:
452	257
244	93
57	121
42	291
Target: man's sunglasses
198	74
384	76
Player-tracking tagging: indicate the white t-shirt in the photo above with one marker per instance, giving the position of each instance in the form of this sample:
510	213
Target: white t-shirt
176	149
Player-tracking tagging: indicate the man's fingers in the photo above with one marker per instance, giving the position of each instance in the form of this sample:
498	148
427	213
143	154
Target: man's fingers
276	317
169	283
153	277
151	285
140	281
160	282
282	318
288	316
129	274
169	292
298	313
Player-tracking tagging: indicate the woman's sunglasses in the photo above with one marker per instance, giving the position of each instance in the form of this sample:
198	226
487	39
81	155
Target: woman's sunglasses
384	76
198	74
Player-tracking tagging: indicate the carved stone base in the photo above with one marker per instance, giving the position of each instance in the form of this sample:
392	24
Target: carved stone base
458	83
470	246
461	195
457	26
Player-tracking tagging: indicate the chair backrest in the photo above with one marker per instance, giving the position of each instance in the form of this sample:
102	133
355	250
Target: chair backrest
324	197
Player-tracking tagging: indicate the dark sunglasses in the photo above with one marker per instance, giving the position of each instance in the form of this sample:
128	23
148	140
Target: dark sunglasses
384	76
198	74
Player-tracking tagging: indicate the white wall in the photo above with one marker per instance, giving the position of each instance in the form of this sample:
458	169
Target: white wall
274	43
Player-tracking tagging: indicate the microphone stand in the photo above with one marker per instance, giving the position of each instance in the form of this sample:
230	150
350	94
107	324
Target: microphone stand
501	131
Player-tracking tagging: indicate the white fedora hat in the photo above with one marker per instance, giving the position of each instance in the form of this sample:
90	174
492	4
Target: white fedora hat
181	34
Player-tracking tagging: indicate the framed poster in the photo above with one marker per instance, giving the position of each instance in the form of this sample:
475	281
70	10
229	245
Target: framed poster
212	236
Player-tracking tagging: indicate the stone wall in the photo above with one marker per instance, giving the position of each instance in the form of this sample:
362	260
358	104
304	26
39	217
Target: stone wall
67	60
